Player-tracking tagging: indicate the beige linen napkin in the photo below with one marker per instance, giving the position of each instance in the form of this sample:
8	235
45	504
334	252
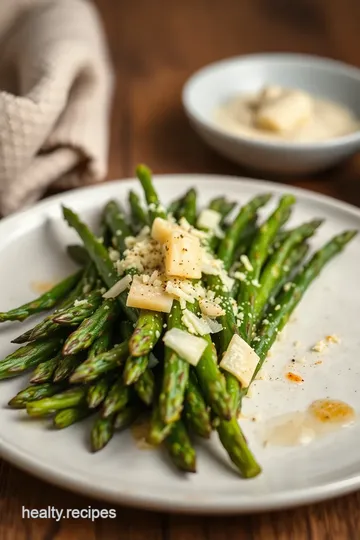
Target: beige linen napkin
56	85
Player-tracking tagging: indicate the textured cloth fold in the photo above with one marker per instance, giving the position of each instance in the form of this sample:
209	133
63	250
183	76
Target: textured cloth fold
56	85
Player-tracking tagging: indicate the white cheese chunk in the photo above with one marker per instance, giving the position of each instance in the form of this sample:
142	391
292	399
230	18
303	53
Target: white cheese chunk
210	309
119	287
240	360
195	324
161	230
148	296
208	219
183	255
188	347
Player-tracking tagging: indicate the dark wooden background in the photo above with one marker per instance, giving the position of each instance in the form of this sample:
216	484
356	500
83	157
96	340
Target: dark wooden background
155	46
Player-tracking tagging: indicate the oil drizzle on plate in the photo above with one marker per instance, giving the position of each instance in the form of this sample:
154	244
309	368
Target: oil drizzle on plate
41	287
302	427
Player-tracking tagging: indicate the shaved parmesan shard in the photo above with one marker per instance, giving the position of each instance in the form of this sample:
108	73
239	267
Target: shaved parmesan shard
215	326
211	309
119	287
183	255
161	230
195	324
188	347
240	360
148	296
208	219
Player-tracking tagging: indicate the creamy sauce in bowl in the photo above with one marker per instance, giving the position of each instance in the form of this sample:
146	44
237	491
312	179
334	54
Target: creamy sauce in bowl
284	114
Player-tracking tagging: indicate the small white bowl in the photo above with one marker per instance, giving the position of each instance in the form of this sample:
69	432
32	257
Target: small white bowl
215	84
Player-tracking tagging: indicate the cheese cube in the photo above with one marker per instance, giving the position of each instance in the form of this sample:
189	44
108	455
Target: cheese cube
161	230
183	255
148	296
240	360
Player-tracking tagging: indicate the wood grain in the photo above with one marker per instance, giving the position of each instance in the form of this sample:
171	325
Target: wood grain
155	46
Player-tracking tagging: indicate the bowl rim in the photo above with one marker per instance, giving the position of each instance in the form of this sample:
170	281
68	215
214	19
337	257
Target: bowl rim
281	57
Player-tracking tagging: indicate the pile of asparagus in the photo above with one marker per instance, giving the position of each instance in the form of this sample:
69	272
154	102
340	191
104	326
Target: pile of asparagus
95	356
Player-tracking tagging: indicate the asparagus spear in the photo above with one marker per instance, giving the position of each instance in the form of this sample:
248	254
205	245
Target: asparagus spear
66	366
101	344
35	392
212	382
67	417
97	392
44	302
134	368
146	334
73	397
44	371
126	417
257	256
180	448
231	238
101	433
235	444
189	207
145	387
117	398
273	268
78	254
223	206
139	215
155	208
28	357
93	368
196	411
175	376
115	220
47	326
99	255
83	337
294	259
81	309
159	430
289	299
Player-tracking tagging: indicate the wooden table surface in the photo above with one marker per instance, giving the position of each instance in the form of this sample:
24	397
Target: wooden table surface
155	46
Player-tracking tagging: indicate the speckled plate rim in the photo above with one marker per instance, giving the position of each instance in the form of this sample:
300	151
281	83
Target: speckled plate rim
228	504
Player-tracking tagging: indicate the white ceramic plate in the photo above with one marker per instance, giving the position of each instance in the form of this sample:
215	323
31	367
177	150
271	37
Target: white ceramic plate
32	249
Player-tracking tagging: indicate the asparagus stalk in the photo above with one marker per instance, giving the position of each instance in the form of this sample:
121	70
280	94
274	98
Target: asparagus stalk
93	368
67	417
126	417
73	397
145	387
134	368
140	217
28	357
35	392
115	220
101	433
257	256
289	299
97	392
44	371
116	399
228	243
273	269
100	257
180	448
85	335
196	411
